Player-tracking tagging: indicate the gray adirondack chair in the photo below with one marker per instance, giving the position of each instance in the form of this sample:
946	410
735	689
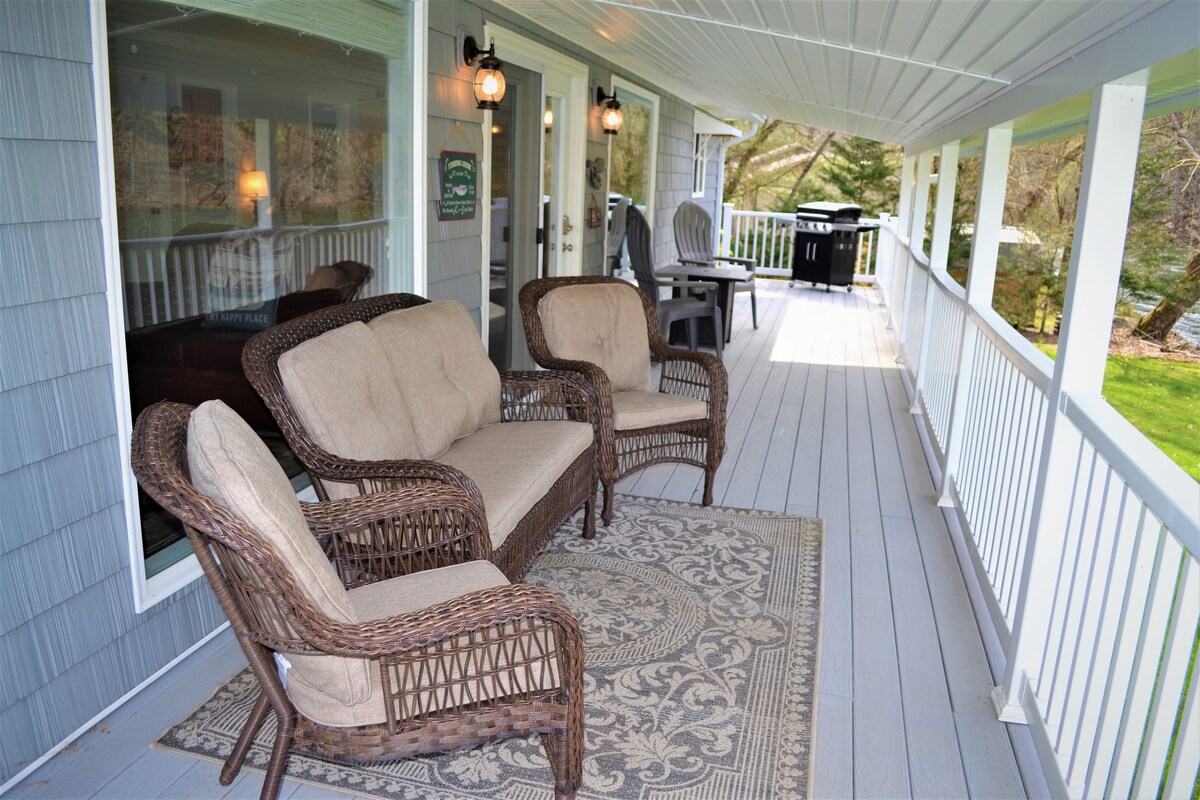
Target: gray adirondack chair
694	241
685	307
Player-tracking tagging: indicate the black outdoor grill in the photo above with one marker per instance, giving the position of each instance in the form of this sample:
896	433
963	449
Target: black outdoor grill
826	244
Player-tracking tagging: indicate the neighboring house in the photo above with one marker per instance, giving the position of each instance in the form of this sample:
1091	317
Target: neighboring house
132	138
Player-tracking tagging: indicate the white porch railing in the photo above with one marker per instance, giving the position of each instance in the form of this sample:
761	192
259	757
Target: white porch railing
167	278
1111	699
766	236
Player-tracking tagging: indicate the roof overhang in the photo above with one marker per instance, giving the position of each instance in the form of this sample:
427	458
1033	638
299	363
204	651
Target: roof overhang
912	72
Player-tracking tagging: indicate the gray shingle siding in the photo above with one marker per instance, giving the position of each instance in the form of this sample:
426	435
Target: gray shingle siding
70	642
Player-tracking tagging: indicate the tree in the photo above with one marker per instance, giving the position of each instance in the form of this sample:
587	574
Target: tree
1157	324
864	172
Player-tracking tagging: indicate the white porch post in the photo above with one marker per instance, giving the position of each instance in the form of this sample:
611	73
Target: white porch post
981	280
939	250
920	205
915	231
1104	198
726	228
907	178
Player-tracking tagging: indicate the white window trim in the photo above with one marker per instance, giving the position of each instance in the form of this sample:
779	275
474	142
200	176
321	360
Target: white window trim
149	591
620	83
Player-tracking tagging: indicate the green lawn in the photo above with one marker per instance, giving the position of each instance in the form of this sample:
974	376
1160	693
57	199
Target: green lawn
1162	400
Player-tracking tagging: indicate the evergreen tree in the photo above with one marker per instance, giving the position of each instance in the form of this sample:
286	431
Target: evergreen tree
864	172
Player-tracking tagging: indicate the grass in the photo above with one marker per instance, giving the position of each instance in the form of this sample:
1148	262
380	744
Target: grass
1162	400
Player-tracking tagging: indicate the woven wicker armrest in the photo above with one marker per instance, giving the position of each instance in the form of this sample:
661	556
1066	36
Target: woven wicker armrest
692	373
545	395
399	532
377	476
392	639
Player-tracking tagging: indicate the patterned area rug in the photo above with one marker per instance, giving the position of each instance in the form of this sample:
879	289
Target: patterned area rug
701	628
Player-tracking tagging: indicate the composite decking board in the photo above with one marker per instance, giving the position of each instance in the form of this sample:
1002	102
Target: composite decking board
747	387
833	768
833	506
100	755
880	746
853	408
991	769
935	765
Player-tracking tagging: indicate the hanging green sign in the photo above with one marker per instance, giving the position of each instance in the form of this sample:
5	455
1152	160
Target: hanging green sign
458	186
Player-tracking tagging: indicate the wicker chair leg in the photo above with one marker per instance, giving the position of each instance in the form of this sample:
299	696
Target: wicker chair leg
607	514
709	475
233	764
277	766
589	517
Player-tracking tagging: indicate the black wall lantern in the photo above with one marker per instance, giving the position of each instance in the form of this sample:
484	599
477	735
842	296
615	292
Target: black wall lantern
489	78
610	117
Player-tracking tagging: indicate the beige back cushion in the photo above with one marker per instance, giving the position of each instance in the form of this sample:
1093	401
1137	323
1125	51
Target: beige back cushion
231	465
346	397
442	370
604	324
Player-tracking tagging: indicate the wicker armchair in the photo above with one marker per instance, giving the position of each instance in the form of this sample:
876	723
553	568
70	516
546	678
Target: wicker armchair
534	396
445	654
607	331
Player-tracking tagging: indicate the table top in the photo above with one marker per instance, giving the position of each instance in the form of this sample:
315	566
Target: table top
706	273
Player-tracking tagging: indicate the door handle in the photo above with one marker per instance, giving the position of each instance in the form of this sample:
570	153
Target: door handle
567	247
567	226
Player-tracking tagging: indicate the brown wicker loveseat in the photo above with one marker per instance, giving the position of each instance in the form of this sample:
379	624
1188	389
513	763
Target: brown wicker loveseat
396	390
414	646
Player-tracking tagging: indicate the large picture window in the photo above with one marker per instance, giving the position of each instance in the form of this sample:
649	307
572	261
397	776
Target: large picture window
262	170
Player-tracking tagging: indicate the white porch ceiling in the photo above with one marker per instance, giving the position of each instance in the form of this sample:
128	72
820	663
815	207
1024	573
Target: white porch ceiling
894	70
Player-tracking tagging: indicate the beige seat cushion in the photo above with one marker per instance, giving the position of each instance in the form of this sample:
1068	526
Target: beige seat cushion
640	409
449	385
347	398
604	324
231	465
402	596
515	464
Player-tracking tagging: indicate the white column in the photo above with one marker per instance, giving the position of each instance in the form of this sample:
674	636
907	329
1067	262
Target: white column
943	214
981	279
920	205
1110	162
907	178
915	233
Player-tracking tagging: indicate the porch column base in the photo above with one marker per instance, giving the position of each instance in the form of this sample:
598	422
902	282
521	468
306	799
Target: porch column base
1006	711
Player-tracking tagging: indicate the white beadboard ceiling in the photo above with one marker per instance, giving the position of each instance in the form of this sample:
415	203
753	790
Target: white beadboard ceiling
903	71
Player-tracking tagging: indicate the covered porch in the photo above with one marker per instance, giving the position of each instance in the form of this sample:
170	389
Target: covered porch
819	424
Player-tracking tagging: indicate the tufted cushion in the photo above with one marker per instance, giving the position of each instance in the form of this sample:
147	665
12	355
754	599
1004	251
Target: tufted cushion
405	595
449	386
604	324
639	409
231	465
515	464
347	399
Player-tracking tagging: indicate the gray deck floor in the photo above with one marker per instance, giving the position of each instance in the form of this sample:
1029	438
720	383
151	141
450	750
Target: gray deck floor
818	425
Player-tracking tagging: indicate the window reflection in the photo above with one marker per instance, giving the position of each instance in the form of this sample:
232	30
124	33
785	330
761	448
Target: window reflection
259	176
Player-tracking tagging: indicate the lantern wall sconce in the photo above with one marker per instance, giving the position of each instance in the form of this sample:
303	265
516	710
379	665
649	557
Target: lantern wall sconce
489	78
610	117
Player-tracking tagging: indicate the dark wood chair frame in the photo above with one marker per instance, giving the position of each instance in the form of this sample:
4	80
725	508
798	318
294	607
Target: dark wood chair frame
410	529
525	396
701	375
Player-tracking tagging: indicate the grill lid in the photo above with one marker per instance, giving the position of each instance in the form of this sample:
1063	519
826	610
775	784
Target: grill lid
846	213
